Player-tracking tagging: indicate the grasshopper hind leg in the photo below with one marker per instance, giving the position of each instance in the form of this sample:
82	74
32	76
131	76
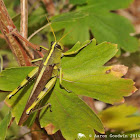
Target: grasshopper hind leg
44	92
48	105
23	83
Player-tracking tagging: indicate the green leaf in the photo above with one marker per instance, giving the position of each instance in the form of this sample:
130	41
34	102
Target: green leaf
9	79
4	125
76	108
71	115
85	74
14	129
19	101
77	1
104	25
120	118
110	4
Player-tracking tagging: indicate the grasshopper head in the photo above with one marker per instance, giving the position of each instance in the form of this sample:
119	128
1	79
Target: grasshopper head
57	45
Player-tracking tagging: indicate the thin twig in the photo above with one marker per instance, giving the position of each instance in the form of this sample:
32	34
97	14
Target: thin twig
24	22
24	18
17	47
37	31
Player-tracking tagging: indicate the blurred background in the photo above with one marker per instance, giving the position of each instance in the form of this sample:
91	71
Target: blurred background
37	18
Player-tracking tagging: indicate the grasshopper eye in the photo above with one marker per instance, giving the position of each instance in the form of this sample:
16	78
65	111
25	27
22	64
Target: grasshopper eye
52	43
58	46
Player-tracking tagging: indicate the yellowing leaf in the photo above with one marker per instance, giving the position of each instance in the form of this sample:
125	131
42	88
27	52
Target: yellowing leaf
120	118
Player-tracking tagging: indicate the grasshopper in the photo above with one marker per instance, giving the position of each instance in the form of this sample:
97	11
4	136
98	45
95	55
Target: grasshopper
52	60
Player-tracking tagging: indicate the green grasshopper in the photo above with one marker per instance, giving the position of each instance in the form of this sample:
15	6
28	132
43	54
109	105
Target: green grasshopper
53	59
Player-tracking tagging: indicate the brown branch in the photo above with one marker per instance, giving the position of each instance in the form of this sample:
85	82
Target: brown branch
17	47
33	46
24	23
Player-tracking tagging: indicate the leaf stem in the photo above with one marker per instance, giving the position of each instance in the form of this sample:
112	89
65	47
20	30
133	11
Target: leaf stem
1	64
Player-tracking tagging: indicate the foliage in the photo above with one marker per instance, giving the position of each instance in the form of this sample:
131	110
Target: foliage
84	74
93	15
3	126
83	69
13	130
97	17
121	118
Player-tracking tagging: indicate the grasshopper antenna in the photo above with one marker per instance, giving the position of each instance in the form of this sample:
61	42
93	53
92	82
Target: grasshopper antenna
52	29
54	33
65	35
